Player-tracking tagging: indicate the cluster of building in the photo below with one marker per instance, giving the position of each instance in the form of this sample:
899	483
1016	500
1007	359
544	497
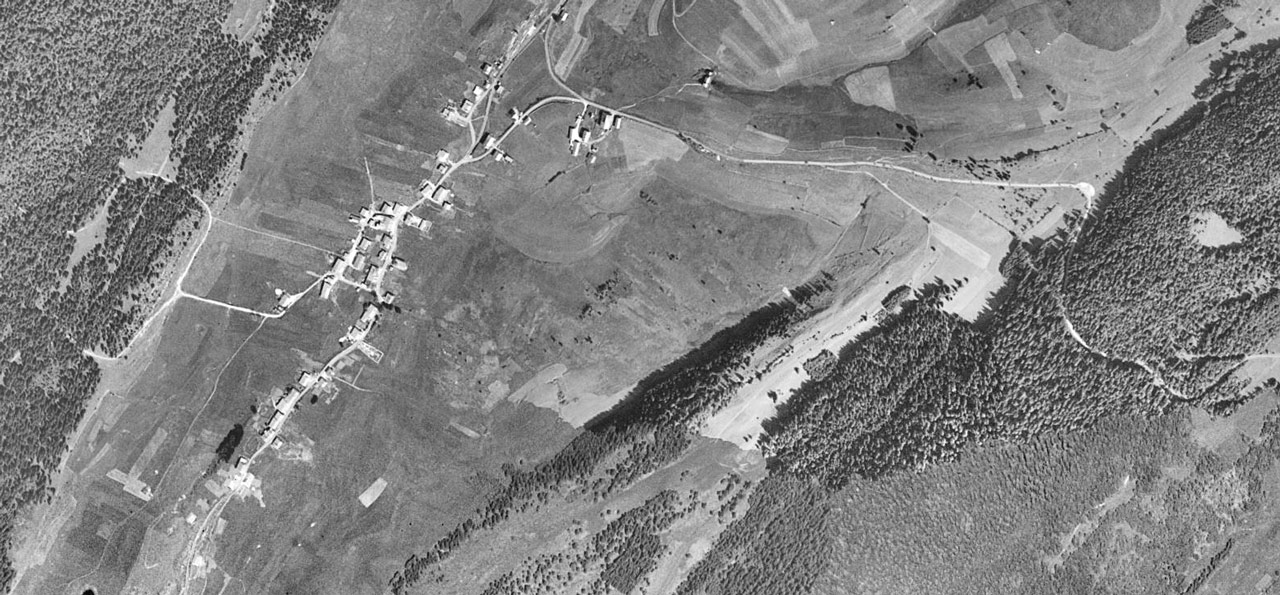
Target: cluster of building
489	143
288	402
432	189
580	133
370	258
240	480
460	112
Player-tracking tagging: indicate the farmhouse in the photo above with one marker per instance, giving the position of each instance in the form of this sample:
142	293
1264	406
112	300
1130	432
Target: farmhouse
441	196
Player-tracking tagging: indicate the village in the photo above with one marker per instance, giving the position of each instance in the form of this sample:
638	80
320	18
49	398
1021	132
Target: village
371	257
365	265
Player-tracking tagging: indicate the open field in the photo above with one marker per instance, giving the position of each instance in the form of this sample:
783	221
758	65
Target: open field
155	151
768	44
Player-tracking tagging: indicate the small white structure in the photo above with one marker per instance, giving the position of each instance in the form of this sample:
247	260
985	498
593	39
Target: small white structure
489	141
